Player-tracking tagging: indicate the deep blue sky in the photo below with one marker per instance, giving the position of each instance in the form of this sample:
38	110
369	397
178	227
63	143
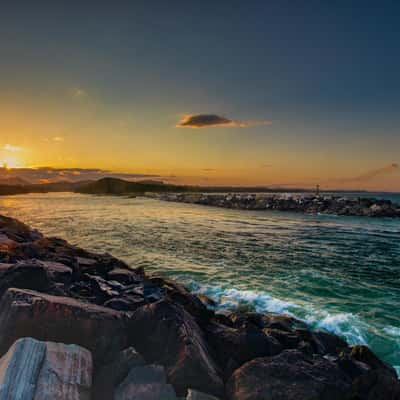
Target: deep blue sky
326	74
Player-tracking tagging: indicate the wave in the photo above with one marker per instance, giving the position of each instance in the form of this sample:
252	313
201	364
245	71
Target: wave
346	325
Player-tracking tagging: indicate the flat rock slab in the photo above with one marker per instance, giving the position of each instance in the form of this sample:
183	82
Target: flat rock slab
35	370
60	319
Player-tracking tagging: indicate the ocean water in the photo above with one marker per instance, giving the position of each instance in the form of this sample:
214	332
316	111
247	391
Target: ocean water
337	273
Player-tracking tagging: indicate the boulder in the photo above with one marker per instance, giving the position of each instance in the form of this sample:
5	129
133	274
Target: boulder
167	334
110	375
290	375
35	370
235	346
196	395
372	378
179	294
25	275
123	275
17	231
376	385
146	382
60	319
66	373
20	368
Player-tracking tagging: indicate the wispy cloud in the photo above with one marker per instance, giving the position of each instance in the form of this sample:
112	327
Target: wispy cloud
12	148
57	139
214	120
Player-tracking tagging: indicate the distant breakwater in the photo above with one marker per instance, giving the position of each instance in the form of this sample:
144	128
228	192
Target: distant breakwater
306	203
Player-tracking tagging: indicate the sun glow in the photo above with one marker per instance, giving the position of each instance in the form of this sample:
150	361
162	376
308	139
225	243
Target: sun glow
11	162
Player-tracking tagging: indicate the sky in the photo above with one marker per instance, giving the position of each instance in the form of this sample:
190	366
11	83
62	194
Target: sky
210	93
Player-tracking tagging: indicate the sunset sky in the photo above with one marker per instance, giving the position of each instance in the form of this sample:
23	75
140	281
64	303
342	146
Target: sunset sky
205	92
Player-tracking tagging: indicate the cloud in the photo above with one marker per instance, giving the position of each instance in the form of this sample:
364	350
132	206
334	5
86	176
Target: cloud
49	174
369	175
209	169
214	120
12	148
57	139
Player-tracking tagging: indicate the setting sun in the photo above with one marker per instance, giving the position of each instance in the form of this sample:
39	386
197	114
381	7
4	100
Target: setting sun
11	162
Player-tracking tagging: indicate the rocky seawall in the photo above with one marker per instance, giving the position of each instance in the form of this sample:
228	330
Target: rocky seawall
311	204
76	325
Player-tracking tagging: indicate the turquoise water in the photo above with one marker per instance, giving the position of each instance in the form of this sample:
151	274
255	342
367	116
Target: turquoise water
337	273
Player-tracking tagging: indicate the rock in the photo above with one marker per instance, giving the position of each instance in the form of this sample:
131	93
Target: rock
195	395
376	385
113	373
178	294
125	303
328	343
235	346
365	355
34	370
207	301
66	373
20	368
24	275
56	271
145	383
291	375
372	378
124	276
60	319
167	334
101	289
17	231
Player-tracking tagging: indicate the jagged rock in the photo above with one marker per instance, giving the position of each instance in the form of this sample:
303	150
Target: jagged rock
35	370
365	355
376	385
145	383
372	378
124	276
195	395
235	346
60	319
125	303
167	334
207	301
25	275
178	294
290	375
17	231
113	373
56	271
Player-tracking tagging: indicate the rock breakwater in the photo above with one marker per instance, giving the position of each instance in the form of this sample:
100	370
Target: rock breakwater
99	329
311	204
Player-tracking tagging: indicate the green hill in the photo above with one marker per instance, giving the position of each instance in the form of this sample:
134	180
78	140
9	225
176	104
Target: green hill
119	186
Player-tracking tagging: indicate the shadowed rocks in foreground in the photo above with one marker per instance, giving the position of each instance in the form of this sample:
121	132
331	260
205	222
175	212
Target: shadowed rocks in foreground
150	338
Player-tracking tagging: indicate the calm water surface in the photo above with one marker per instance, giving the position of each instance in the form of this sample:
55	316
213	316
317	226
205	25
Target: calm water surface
337	273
